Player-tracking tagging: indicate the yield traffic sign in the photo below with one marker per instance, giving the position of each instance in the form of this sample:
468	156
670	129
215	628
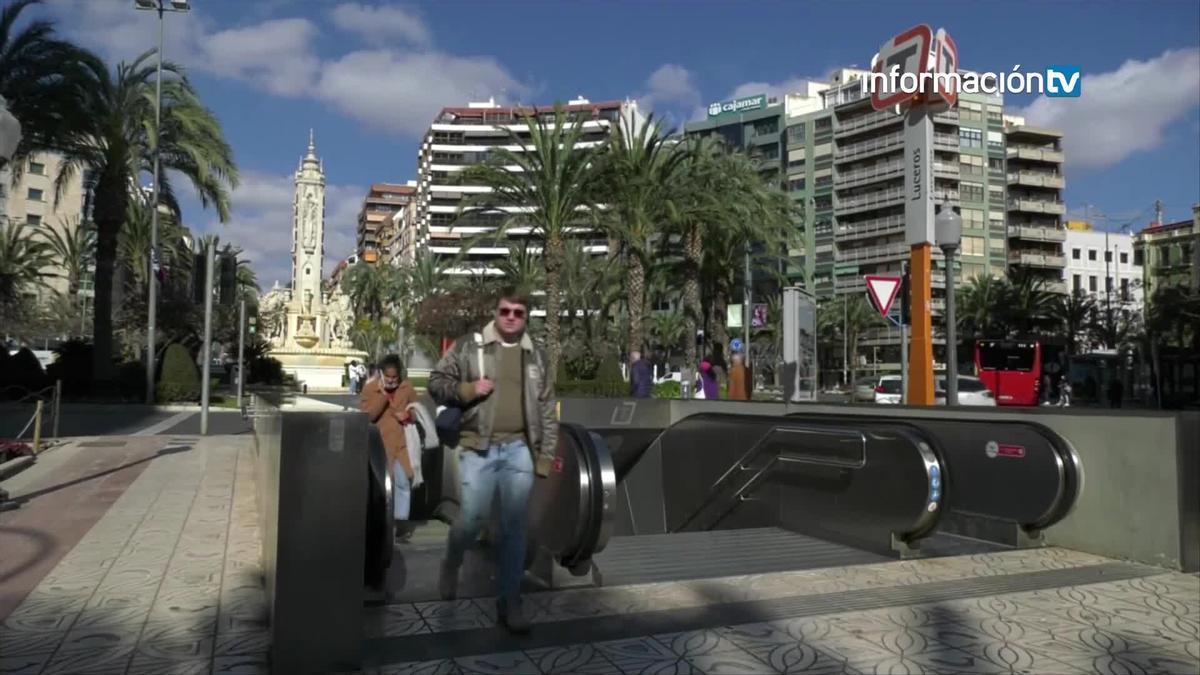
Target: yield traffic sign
882	291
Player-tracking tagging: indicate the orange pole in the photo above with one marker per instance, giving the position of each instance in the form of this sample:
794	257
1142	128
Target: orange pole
920	348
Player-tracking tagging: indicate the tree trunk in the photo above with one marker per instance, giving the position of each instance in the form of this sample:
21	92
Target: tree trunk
720	331
553	261
637	302
109	214
693	250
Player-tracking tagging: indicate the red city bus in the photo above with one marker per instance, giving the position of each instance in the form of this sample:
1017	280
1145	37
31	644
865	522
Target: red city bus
1011	369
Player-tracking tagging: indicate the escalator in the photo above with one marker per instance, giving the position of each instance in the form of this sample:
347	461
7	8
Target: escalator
642	499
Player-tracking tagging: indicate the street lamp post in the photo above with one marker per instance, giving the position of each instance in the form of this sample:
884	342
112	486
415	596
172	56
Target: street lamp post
947	226
152	278
10	132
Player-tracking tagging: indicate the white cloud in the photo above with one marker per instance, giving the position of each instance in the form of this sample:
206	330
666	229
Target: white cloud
1123	112
276	54
670	86
380	26
262	223
402	92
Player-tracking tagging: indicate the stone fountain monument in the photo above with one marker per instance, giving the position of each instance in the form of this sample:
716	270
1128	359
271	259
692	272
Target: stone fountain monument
307	325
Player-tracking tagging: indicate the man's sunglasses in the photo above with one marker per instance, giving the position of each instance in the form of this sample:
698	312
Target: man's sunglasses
515	312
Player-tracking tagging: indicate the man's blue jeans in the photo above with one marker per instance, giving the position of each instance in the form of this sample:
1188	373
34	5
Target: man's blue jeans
509	468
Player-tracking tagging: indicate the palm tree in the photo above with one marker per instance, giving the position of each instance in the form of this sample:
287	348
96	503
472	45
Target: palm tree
74	245
373	289
981	306
669	329
523	267
638	166
113	135
1030	305
550	193
23	257
848	317
1072	313
37	75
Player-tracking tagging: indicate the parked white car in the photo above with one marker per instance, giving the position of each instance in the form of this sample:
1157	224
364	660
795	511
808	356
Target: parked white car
888	390
971	391
864	389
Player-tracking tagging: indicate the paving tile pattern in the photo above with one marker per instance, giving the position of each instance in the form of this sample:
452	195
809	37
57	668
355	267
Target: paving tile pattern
168	581
1144	625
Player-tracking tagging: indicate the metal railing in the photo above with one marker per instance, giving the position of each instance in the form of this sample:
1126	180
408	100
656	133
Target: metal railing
872	253
866	122
867	148
876	172
871	228
870	200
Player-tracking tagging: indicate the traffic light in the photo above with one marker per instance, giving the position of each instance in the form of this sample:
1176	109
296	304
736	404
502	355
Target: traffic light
905	302
198	262
228	279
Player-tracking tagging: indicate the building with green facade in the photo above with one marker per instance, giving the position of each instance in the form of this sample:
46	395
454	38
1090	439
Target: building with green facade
1169	254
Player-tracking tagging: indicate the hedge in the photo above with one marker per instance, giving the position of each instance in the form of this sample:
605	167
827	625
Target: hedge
179	380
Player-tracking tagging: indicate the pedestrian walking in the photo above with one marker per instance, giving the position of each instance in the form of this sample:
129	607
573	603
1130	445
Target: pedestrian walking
508	432
708	381
385	398
738	389
641	376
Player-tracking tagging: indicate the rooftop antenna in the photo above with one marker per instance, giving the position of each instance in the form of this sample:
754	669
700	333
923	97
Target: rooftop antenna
1158	216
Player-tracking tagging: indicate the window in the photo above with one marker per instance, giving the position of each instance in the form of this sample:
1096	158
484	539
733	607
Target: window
996	193
796	134
1075	254
968	110
1092	284
1124	257
995	164
36	195
971	165
995	140
1092	254
1077	282
972	219
970	138
824	181
796	184
37	168
1125	290
33	219
823	124
766	127
1107	256
970	192
973	246
1137	257
1108	284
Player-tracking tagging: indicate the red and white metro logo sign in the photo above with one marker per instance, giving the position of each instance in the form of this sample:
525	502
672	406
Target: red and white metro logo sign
916	66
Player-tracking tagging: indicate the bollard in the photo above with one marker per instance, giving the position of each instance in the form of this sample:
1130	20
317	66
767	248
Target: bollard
57	405
37	428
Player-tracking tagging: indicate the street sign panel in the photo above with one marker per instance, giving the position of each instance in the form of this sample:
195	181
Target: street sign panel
735	345
908	52
882	291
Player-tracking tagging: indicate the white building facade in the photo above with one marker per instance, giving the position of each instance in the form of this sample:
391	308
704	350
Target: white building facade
1102	262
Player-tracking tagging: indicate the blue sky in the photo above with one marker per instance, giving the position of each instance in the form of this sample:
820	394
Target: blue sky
369	76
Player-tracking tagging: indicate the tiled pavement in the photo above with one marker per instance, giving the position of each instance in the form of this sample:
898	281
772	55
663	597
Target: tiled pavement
1130	619
168	581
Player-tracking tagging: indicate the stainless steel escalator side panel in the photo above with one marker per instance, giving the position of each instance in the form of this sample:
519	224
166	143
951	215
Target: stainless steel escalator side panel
607	483
381	500
825	492
1004	470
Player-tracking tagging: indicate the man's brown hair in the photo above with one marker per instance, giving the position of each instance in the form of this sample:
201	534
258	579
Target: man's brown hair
513	295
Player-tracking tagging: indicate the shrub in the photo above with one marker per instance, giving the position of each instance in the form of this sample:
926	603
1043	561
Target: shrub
609	371
25	374
265	370
592	388
668	389
131	380
179	380
73	367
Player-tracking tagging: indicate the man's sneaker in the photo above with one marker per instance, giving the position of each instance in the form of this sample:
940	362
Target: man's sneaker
512	616
448	582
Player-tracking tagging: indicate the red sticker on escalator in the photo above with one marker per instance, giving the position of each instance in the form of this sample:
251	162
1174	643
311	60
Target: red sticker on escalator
558	464
1010	450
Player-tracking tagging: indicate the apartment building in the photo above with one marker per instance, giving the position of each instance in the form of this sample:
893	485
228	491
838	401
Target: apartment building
382	202
1169	254
1034	158
1102	265
32	201
461	137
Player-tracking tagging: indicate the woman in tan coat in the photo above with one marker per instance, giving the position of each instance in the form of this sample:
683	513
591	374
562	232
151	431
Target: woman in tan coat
385	399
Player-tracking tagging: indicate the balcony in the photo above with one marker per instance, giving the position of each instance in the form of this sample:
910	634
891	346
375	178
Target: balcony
848	179
875	120
1037	233
1034	154
1036	206
875	227
870	254
871	200
945	141
947	117
1030	259
947	170
874	146
1036	179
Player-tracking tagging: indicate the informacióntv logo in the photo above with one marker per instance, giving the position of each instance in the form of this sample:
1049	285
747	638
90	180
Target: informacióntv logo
1059	80
1063	81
